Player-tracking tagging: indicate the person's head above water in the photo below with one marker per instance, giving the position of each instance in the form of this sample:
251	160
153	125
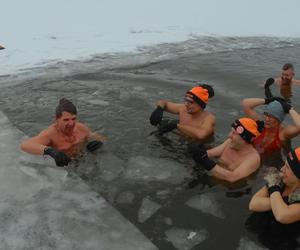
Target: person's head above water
247	129
287	73
65	106
199	95
275	110
66	116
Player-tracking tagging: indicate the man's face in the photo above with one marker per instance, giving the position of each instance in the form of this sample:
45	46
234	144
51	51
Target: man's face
66	123
287	76
191	106
236	139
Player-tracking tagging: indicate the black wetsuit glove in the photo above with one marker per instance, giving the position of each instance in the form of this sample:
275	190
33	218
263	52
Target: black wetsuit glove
273	180
268	83
93	145
61	159
286	106
199	154
156	116
167	126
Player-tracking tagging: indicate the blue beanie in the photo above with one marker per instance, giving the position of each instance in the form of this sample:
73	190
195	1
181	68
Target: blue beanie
275	109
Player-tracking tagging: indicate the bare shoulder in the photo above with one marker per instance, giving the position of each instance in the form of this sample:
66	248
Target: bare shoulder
209	116
50	131
82	127
295	81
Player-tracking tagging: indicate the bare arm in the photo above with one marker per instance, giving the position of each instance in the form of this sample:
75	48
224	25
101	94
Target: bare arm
247	167
217	151
201	132
291	131
260	201
170	107
284	213
37	144
249	104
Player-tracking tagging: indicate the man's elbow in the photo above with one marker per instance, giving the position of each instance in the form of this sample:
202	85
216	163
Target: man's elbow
233	178
284	219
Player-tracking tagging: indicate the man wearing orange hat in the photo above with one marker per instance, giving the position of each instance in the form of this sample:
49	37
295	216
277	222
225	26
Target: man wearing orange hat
281	195
237	158
194	122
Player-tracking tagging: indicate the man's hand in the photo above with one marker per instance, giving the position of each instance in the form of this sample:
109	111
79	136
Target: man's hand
273	180
156	116
267	85
93	145
167	126
199	154
61	159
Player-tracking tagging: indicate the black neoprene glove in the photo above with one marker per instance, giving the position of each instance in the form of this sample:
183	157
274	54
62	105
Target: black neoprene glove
284	103
61	159
156	116
268	83
93	145
199	154
167	126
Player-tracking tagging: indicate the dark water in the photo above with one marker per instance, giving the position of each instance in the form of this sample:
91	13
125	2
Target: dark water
117	100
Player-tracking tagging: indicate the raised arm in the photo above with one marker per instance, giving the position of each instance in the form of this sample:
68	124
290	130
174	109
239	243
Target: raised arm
291	131
170	107
249	104
37	144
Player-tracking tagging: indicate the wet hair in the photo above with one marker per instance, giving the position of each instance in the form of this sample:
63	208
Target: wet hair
65	106
288	66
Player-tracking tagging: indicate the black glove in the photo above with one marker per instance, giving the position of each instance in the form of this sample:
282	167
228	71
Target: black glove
286	106
268	100
273	180
61	159
156	116
167	126
268	83
93	145
199	154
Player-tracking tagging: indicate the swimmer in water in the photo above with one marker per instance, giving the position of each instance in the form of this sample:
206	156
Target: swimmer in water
237	158
281	195
64	139
285	82
194	122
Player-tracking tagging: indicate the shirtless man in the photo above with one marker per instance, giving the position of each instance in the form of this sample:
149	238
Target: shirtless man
237	158
285	82
64	139
194	122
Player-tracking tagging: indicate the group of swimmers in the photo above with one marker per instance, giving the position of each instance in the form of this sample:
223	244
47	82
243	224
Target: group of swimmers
252	138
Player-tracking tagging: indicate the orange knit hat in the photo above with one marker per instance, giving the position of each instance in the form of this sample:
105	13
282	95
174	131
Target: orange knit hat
247	128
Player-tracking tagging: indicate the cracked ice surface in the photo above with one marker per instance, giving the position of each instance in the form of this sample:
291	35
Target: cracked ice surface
155	169
246	244
206	203
184	239
43	208
147	209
